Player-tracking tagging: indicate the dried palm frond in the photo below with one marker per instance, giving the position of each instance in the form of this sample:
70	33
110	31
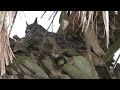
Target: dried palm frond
2	17
87	19
6	54
106	23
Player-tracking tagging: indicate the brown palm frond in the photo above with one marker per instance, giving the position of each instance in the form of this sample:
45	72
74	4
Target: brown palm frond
6	54
86	18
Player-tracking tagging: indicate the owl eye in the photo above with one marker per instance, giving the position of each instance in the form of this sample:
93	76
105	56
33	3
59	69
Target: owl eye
30	27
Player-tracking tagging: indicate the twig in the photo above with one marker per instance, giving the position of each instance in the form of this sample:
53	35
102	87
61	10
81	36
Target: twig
52	20
43	14
51	15
117	60
13	21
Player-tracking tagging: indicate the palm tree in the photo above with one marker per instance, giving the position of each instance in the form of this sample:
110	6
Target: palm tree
99	30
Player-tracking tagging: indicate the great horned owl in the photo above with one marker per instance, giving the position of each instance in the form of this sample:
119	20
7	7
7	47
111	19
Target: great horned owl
34	35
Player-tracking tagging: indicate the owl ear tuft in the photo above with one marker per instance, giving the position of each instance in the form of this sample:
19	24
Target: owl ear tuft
35	22
26	23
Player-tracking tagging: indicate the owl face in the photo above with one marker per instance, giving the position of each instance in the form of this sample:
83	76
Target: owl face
31	28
